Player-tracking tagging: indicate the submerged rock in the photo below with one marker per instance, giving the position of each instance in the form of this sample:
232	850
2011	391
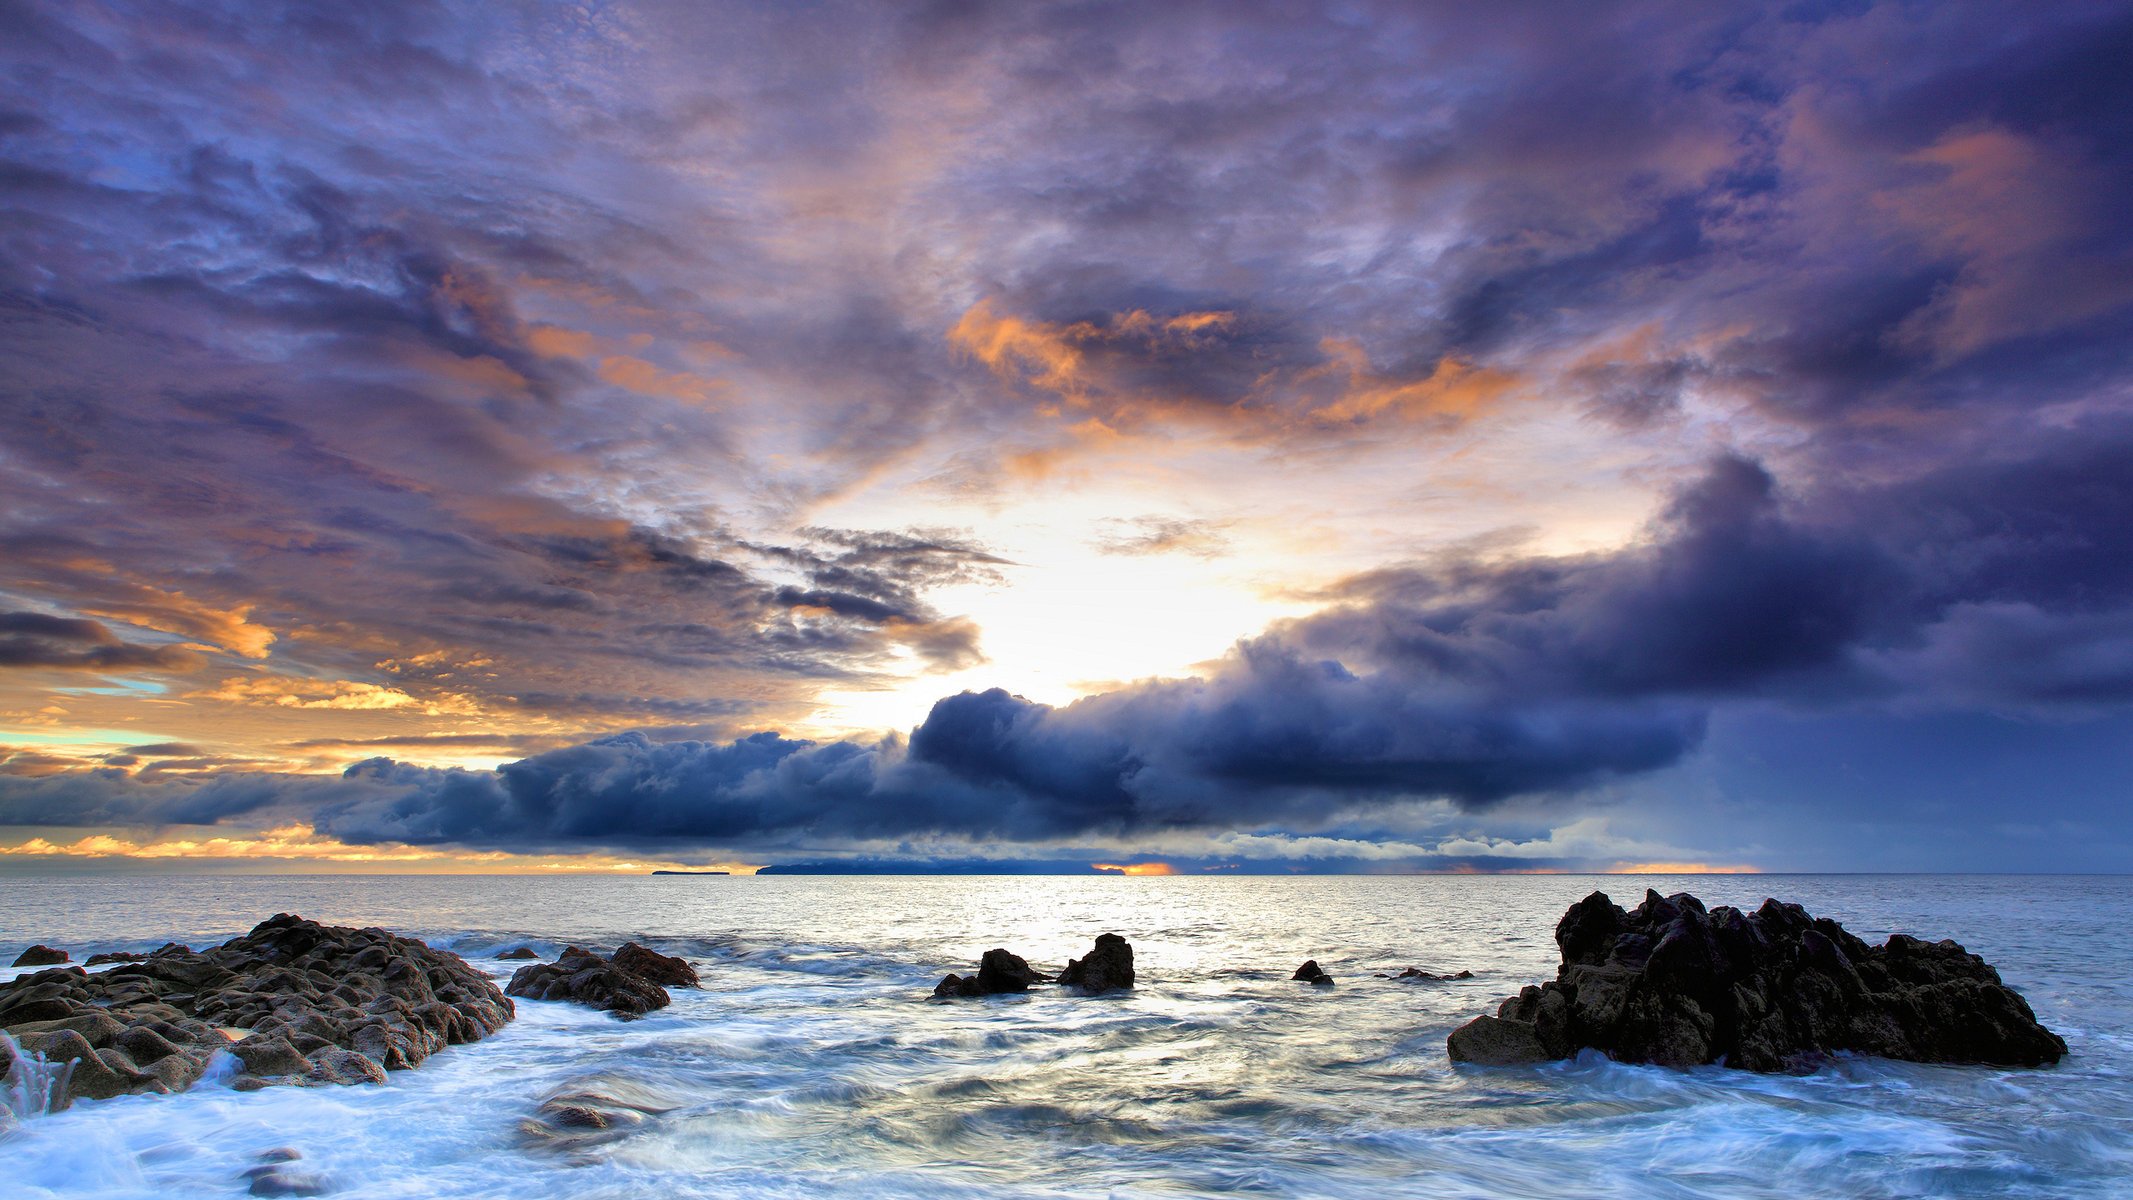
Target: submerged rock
1311	973
521	952
1109	965
41	956
584	977
307	1004
590	1111
1769	991
1421	976
998	972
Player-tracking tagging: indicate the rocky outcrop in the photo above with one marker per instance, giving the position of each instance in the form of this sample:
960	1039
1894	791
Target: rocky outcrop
520	953
583	977
663	969
1772	990
1311	973
998	972
1109	965
295	1002
41	956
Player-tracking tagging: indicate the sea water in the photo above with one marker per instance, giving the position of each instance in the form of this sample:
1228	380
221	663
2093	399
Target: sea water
813	1063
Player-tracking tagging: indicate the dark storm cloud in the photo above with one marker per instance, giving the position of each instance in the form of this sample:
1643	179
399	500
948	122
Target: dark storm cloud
40	641
1471	680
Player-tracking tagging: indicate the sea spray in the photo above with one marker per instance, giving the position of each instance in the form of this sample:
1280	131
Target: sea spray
35	1085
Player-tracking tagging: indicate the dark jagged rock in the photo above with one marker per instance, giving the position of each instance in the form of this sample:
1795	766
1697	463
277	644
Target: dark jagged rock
41	956
660	968
304	1003
998	972
521	952
1109	965
1772	990
1310	973
583	977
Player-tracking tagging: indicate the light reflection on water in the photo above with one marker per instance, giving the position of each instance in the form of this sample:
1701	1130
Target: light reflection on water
812	1065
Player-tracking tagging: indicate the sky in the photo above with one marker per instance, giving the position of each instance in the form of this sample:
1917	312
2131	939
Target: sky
1189	437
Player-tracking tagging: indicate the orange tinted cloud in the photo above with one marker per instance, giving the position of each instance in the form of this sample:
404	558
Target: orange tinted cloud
173	612
1146	868
645	379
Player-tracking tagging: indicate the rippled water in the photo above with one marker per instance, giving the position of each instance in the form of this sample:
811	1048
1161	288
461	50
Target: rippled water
811	1064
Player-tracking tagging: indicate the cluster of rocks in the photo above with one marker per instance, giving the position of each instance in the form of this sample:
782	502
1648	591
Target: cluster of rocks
630	984
1107	966
1772	990
295	1002
1311	973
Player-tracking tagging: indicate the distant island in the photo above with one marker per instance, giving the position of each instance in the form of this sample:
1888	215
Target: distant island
692	872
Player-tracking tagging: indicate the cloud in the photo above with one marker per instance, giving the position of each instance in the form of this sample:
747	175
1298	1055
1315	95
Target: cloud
1164	535
40	641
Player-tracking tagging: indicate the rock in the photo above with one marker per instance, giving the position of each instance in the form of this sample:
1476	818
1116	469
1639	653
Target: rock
999	971
521	952
1492	1041
276	1179
592	1111
304	1003
1310	973
1417	973
1775	990
41	956
583	977
662	969
1109	965
953	987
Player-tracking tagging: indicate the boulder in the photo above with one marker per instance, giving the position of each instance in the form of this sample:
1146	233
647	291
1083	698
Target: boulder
664	969
520	952
41	956
582	977
1108	965
308	1003
1772	990
1310	973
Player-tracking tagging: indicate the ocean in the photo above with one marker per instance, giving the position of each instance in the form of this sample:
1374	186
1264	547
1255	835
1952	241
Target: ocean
813	1063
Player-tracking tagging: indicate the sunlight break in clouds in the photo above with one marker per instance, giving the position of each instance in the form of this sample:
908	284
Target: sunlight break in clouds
506	430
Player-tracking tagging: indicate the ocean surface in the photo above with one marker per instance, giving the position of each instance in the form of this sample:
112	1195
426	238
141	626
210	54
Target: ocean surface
813	1064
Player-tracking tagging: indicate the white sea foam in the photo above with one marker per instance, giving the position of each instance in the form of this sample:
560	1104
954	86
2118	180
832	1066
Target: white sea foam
812	1065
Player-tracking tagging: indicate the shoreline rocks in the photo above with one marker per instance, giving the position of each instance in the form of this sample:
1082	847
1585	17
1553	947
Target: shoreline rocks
295	1002
1774	990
